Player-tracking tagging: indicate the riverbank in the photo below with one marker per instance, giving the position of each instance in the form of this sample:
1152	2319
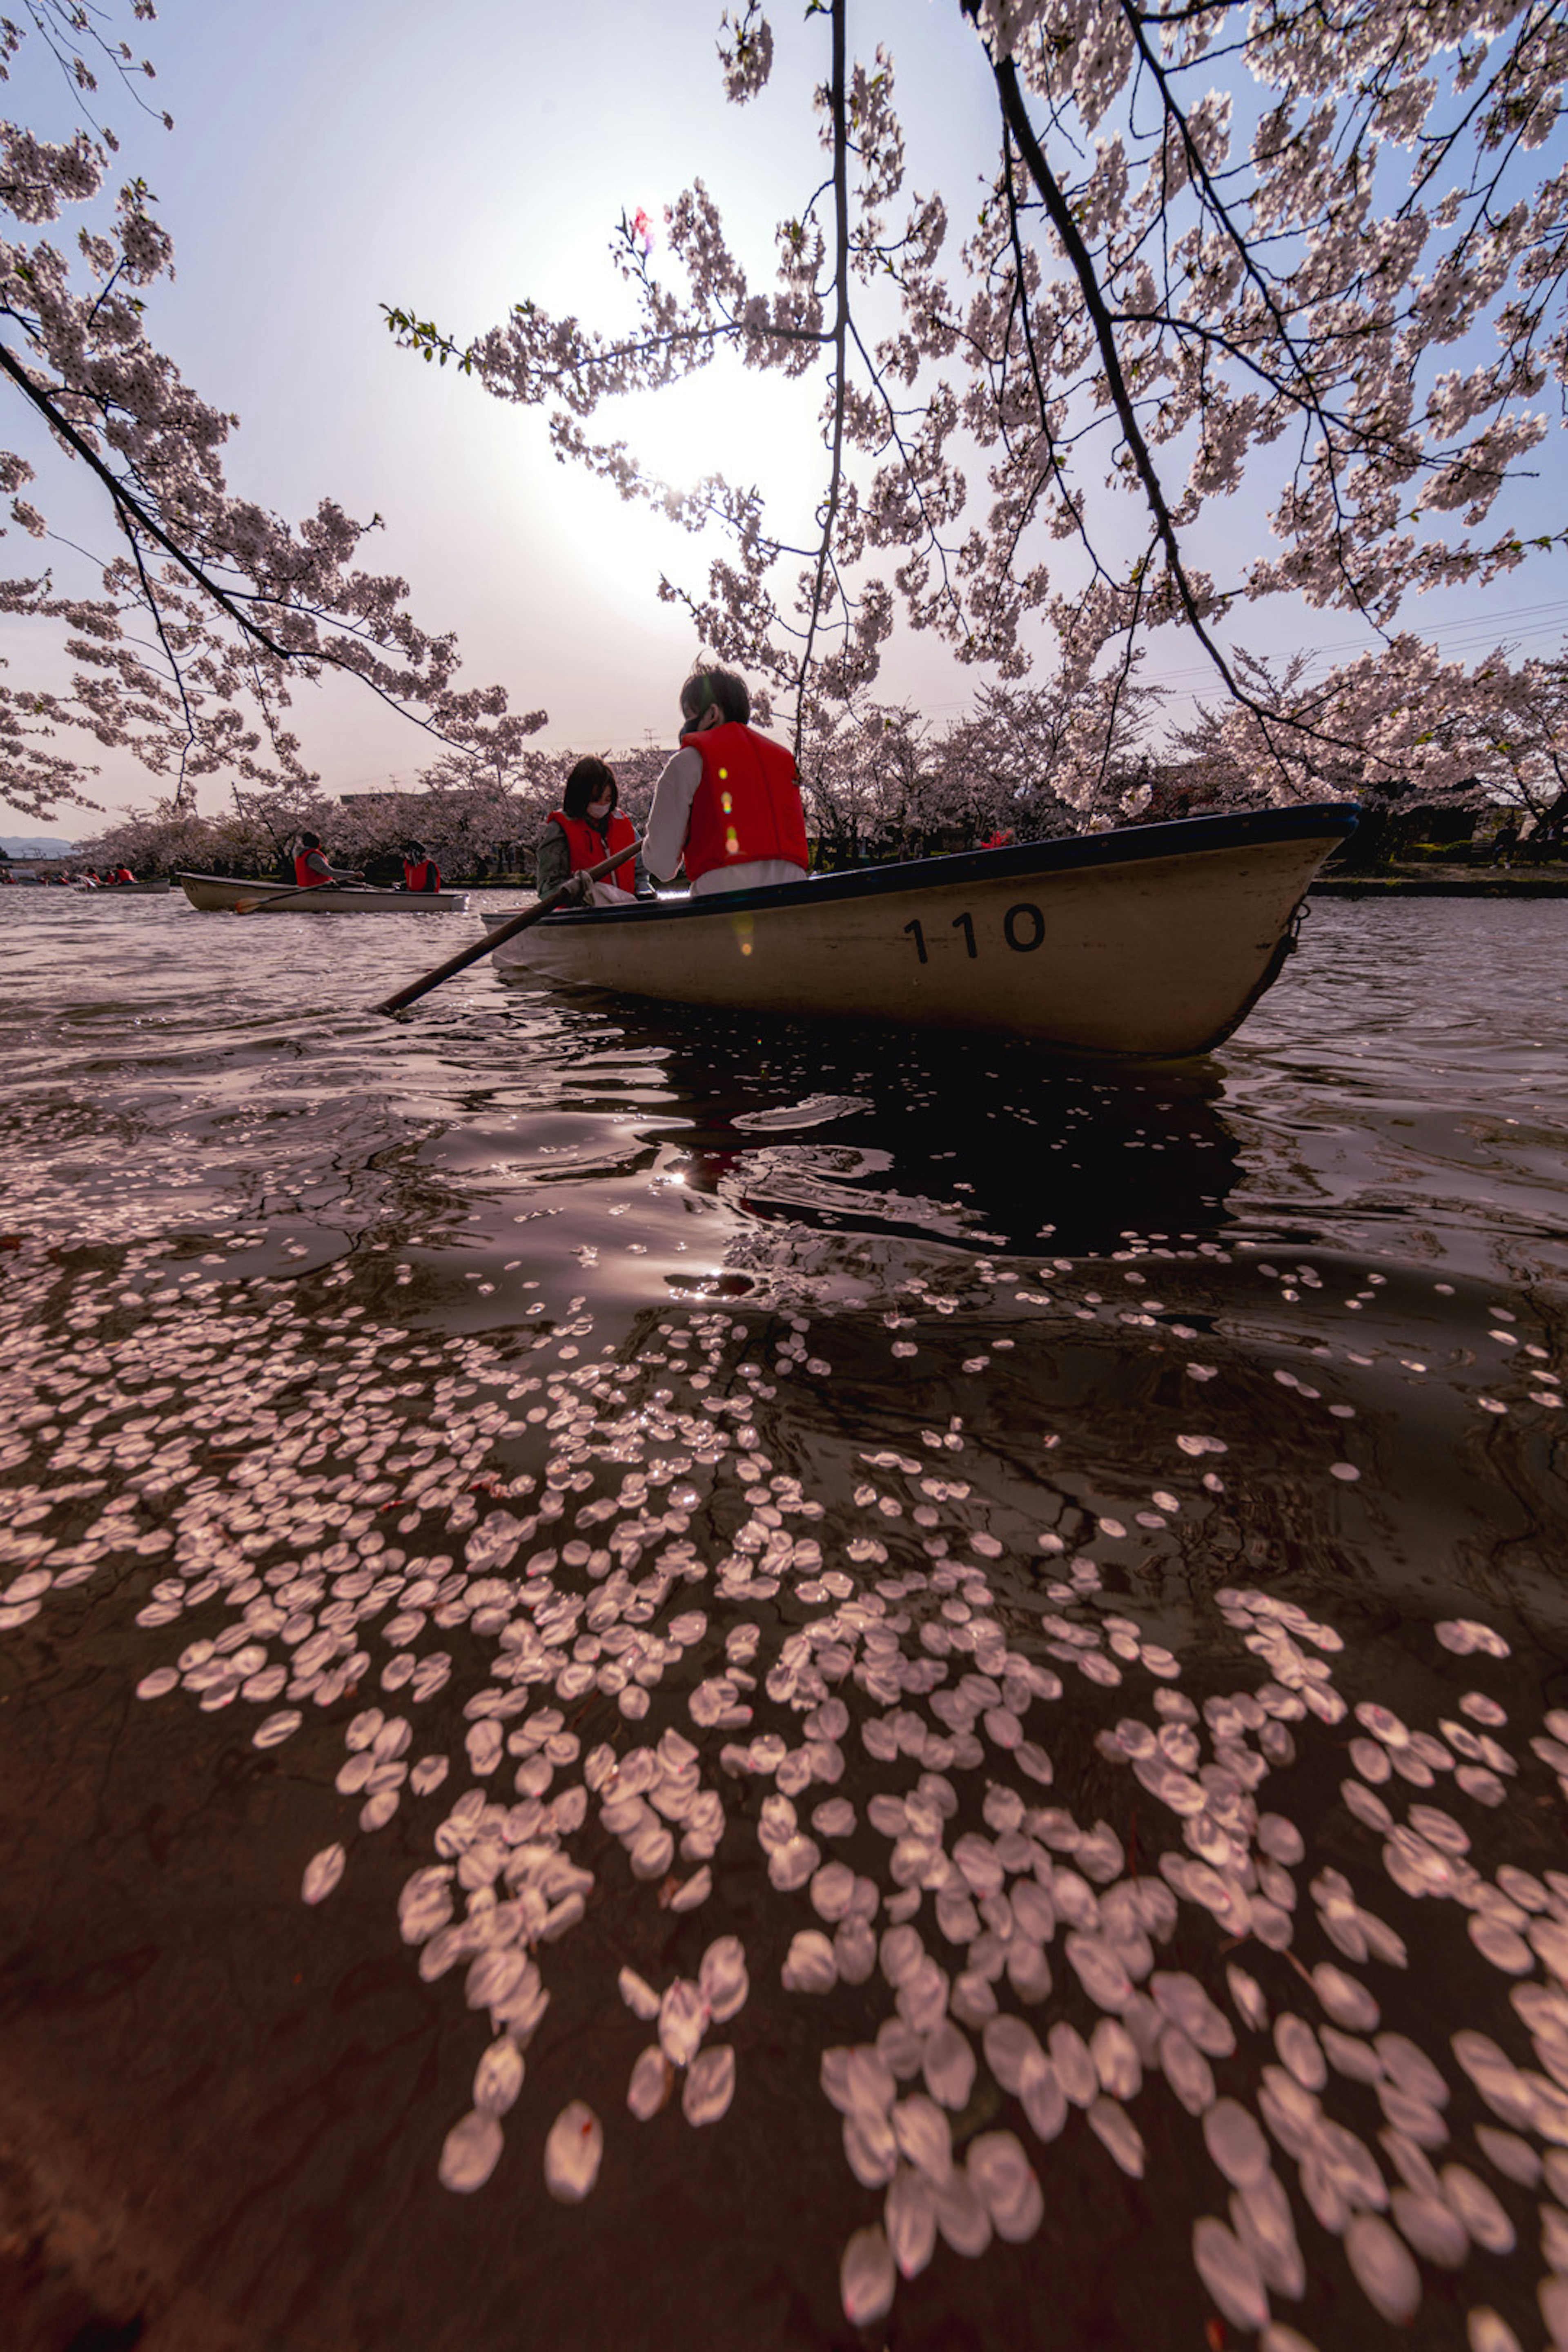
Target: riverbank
1444	882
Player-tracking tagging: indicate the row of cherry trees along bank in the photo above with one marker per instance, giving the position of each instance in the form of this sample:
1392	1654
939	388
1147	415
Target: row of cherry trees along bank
880	782
1314	257
1337	290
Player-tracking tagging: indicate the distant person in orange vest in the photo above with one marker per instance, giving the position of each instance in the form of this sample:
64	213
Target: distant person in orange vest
312	871
122	874
728	806
420	871
583	831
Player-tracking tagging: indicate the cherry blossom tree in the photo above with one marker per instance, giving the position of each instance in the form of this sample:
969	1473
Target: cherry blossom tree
210	610
1311	260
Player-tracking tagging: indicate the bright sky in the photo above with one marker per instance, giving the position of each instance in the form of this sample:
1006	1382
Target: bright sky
326	159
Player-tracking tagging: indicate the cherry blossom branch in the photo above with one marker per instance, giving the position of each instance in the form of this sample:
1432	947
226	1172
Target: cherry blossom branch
829	509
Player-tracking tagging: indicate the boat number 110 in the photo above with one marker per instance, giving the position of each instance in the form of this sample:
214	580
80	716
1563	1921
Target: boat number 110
1023	927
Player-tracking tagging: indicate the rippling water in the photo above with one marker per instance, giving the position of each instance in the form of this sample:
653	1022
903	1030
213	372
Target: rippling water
981	1639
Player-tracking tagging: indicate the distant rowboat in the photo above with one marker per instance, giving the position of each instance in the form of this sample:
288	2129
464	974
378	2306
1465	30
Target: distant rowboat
216	893
1154	940
157	889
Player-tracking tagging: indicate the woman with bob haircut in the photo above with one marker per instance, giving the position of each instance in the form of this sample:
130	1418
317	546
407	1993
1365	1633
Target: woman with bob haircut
584	830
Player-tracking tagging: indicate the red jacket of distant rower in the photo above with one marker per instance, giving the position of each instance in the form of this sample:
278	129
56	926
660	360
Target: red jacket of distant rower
588	846
303	875
748	805
425	876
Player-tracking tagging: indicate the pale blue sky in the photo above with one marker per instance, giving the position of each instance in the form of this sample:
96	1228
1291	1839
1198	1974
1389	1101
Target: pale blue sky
326	158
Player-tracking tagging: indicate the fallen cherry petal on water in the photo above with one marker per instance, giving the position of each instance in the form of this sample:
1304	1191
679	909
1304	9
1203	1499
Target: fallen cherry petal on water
866	2277
723	1979
1230	2274
470	2153
1483	2217
322	1873
498	2078
810	1965
682	2019
639	1997
1431	2226
275	1728
572	2153
1247	1995
908	2216
960	2215
1004	2179
649	2088
1119	2135
710	2085
948	2064
923	2136
1010	2046
1348	2003
1464	1637
1384	2269
1236	2143
1488	2331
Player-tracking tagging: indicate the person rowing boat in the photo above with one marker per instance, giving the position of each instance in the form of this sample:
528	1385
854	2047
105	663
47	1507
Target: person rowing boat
583	831
312	869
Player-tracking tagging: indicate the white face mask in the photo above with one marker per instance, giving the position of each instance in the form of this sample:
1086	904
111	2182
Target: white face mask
599	810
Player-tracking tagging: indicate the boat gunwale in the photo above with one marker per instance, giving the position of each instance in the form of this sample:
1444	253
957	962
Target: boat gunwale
454	901
1128	844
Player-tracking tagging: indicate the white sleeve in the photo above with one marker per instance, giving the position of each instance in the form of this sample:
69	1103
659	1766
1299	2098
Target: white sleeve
664	835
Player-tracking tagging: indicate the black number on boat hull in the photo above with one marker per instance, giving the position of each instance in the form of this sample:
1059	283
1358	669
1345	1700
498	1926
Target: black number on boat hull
1023	927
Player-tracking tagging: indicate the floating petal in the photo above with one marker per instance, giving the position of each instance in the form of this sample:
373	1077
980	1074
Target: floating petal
710	2085
572	2153
470	2153
866	2277
322	1873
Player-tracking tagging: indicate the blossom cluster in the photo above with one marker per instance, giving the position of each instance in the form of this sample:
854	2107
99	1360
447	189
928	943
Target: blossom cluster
186	654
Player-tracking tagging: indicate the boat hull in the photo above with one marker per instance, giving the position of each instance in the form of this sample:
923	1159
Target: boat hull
216	894
1154	941
157	890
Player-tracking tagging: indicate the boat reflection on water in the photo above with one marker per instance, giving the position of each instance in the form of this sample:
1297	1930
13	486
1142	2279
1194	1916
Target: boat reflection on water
986	1143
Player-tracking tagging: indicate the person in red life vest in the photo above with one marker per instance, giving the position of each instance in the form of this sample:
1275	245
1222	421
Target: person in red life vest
121	874
420	871
727	807
585	829
312	871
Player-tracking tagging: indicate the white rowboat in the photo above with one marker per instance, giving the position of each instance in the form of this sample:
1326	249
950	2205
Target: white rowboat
1156	939
216	893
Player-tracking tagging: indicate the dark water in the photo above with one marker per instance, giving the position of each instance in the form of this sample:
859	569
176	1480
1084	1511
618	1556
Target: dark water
1048	1578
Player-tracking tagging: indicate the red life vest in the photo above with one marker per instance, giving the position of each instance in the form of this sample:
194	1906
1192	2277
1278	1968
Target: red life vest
588	846
426	876
747	805
304	876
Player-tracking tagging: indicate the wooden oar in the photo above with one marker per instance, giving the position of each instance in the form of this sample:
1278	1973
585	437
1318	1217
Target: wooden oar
466	956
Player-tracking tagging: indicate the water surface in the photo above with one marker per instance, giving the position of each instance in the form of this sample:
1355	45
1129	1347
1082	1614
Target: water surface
1046	1576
